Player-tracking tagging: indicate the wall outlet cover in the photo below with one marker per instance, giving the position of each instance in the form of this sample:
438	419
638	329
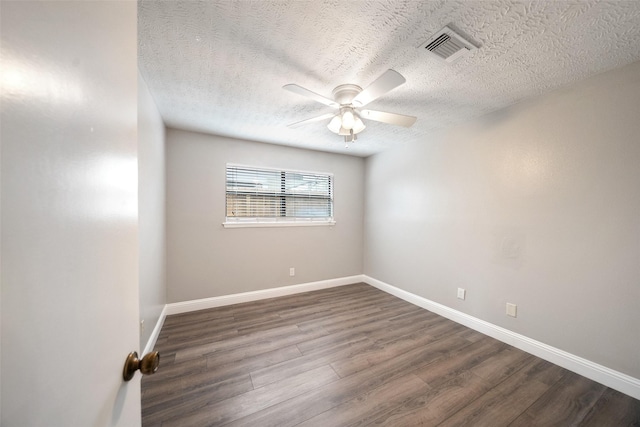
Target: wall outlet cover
461	293
512	310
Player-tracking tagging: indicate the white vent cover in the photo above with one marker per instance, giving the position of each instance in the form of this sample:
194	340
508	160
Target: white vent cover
448	45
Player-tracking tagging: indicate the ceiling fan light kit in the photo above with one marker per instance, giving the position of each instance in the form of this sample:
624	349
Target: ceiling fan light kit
348	99
335	124
347	117
346	121
358	125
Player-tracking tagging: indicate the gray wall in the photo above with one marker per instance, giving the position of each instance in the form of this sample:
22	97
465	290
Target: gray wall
537	205
151	211
204	259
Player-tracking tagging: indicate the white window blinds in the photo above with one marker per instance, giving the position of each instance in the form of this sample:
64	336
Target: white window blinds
259	195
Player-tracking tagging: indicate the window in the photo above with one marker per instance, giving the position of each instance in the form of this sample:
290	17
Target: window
264	197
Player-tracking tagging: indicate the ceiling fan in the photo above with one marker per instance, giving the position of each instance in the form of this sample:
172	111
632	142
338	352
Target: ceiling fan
349	99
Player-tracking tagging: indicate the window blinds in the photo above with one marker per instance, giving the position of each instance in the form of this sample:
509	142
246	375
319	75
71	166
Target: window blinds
284	195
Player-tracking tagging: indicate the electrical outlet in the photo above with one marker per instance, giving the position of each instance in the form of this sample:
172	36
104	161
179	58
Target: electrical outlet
292	271
512	310
461	293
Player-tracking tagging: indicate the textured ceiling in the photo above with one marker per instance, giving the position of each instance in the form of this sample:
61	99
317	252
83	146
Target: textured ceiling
219	66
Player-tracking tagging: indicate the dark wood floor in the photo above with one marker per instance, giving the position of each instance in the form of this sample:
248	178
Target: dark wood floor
354	355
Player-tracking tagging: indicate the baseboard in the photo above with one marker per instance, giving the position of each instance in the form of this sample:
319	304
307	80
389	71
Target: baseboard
601	374
201	304
151	343
616	380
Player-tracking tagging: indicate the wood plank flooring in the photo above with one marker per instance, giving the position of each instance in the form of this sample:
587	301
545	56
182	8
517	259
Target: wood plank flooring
354	355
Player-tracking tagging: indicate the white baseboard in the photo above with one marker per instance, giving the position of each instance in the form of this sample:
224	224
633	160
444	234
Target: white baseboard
201	304
151	343
601	374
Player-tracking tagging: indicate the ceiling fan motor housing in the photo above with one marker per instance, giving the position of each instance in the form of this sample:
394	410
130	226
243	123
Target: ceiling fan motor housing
344	94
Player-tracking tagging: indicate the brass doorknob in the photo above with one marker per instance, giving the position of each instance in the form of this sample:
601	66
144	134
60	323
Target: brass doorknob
148	364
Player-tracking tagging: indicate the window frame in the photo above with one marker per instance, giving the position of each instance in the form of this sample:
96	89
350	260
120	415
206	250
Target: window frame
279	221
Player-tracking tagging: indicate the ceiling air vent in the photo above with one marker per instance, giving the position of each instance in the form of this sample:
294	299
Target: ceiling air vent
448	45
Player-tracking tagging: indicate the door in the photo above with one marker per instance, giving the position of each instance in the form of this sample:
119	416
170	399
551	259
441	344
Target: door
69	213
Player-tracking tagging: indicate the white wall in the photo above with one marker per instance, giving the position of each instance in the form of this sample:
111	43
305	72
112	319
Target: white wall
204	259
151	211
537	205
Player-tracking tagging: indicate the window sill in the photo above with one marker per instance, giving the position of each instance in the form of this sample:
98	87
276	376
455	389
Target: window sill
257	224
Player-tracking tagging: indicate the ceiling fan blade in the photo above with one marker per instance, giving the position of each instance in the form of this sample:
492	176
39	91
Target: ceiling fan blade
315	119
383	84
306	92
391	118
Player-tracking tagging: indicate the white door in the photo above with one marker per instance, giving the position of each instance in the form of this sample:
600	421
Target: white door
69	213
